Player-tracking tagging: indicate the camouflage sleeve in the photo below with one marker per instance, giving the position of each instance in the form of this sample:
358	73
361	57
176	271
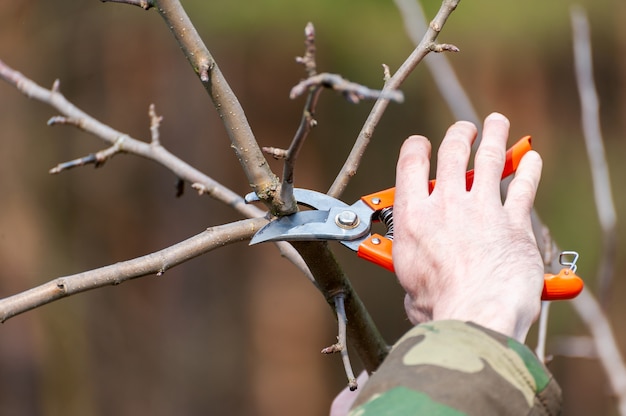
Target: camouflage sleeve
455	368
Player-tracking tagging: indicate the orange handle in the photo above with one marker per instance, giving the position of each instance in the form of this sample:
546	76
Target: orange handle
562	286
377	249
384	199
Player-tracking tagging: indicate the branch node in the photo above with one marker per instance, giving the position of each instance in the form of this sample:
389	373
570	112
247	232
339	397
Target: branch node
275	152
386	73
205	67
200	188
332	349
155	124
55	86
442	47
308	60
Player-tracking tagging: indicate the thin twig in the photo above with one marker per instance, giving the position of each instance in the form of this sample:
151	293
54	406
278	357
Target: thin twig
331	281
342	342
126	143
156	263
155	124
590	108
97	159
308	59
144	4
352	91
353	161
307	121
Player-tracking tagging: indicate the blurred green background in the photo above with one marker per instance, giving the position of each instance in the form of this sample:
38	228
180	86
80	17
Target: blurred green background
238	331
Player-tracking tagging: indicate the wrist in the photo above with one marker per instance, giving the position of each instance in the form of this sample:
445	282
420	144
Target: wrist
511	320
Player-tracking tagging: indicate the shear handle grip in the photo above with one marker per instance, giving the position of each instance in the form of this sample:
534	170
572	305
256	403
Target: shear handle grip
562	286
384	199
377	249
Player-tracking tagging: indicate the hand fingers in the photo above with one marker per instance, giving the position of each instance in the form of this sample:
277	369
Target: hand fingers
413	170
453	157
491	154
523	188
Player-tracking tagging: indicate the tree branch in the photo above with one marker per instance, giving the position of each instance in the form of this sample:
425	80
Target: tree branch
438	65
261	178
595	150
144	4
352	91
153	151
342	342
353	161
123	142
155	263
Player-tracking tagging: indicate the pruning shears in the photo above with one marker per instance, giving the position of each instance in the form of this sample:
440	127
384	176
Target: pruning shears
351	225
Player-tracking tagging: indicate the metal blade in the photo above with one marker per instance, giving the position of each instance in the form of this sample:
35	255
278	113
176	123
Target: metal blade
308	198
314	225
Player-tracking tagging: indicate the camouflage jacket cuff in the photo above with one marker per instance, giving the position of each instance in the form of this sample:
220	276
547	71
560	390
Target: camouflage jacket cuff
459	368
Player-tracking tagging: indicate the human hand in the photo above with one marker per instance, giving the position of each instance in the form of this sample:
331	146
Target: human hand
466	255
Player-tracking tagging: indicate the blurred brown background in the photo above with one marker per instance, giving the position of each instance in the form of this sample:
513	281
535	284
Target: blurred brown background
238	331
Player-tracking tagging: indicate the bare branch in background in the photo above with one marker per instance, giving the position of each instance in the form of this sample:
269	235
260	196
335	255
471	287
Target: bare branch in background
585	304
439	66
595	150
156	263
605	345
353	161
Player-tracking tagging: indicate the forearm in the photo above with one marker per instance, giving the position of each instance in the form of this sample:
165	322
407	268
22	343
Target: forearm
462	367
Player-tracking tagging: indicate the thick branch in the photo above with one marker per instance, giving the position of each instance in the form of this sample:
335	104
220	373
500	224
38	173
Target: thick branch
425	46
248	152
152	264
